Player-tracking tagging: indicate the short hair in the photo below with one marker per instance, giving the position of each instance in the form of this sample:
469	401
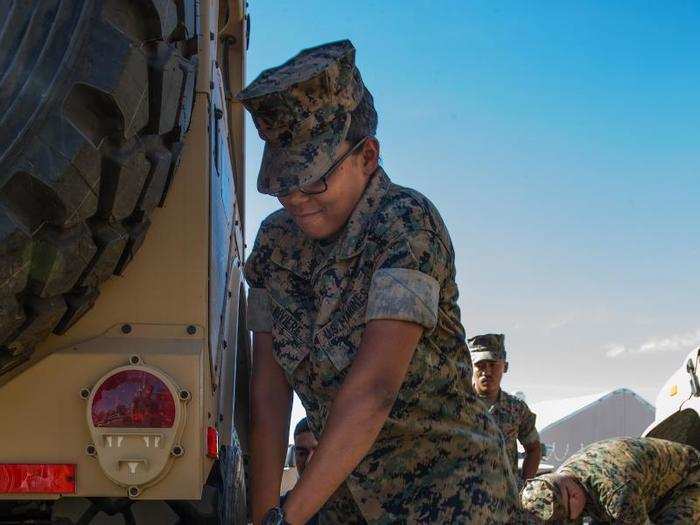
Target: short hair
363	119
302	426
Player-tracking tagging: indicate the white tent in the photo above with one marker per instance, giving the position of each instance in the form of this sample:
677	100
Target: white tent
568	425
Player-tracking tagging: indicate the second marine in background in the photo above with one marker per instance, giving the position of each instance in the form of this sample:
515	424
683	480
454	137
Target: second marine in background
512	414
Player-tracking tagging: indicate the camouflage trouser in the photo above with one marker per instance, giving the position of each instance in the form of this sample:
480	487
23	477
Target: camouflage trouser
682	505
341	509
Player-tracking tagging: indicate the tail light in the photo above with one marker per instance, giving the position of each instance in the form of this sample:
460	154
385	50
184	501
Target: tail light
133	399
27	478
212	443
136	415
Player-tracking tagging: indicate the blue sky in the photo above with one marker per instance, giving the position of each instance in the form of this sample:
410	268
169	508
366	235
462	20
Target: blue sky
560	142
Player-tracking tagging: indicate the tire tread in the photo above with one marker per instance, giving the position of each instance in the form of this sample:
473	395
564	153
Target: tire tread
82	172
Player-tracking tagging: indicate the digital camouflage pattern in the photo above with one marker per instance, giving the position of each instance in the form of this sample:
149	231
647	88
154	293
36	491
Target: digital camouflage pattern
543	499
634	481
302	111
342	510
439	457
487	347
517	423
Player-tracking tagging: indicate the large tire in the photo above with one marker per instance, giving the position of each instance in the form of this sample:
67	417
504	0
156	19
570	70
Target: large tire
232	503
95	98
224	496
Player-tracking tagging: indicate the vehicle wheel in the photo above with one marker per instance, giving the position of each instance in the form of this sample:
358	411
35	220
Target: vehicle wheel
232	506
95	99
224	497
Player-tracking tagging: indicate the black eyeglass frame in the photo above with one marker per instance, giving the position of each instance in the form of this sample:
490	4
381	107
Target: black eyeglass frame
328	172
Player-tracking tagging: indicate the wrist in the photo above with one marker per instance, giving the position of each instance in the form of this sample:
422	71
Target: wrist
290	510
275	516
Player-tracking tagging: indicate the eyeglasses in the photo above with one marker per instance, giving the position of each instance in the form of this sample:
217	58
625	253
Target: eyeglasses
321	185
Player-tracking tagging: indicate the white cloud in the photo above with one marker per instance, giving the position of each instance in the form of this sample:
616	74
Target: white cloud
614	350
560	322
686	341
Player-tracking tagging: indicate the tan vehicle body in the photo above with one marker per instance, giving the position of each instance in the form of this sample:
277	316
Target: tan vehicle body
158	311
678	404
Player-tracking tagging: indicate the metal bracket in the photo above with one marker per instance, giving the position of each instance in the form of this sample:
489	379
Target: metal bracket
694	382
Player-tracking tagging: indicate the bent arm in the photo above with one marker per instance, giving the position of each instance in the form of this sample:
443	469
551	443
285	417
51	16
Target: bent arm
271	406
357	415
530	439
531	462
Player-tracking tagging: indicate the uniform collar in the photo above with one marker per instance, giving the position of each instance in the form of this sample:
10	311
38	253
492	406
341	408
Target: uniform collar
492	404
352	237
499	397
294	250
302	255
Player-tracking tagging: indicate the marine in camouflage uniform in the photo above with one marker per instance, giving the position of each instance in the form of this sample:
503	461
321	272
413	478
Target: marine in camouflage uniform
439	457
627	481
513	416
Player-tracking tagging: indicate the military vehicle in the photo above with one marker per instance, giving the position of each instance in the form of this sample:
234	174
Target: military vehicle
123	375
678	405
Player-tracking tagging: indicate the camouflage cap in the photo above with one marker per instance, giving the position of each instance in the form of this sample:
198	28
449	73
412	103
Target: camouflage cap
542	497
302	112
487	347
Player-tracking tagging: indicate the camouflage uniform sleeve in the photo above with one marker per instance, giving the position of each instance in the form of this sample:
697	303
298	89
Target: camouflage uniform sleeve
407	278
258	311
527	432
626	505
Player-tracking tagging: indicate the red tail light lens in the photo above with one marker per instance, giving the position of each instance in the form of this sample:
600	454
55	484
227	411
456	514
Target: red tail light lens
133	398
23	478
212	443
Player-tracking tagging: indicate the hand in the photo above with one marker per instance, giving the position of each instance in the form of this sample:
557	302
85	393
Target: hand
274	516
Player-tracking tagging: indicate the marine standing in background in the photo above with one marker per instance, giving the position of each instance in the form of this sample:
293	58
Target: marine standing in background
305	444
513	416
629	481
353	304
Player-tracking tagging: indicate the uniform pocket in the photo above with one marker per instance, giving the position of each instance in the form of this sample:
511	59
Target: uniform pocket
340	338
290	337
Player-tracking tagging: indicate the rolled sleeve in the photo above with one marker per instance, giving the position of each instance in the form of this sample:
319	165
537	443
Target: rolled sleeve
405	295
527	432
408	276
259	315
529	439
